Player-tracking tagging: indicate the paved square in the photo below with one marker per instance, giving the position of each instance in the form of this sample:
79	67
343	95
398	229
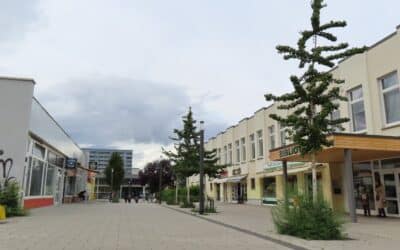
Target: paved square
121	226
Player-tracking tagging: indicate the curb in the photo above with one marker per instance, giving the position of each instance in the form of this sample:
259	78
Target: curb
242	230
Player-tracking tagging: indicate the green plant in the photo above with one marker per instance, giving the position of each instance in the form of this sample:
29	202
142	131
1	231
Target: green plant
114	172
185	204
308	219
10	198
168	195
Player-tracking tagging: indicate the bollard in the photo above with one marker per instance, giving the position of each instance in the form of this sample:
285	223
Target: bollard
2	213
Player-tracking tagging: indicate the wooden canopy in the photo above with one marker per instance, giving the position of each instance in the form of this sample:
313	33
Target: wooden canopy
363	147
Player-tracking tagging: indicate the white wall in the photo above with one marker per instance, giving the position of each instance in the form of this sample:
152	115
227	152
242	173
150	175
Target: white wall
44	126
15	107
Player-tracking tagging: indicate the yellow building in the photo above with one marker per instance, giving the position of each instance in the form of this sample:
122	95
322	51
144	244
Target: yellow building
373	88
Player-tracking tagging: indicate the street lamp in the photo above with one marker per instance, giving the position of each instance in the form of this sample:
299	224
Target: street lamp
112	180
160	180
201	207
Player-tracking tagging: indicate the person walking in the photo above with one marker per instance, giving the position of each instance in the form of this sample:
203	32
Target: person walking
380	199
365	202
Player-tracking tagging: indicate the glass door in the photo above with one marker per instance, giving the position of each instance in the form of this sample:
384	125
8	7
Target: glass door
392	192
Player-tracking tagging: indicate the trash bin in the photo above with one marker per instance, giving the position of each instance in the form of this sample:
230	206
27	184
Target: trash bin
2	213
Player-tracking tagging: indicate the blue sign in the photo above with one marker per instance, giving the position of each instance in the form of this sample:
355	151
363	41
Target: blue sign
71	163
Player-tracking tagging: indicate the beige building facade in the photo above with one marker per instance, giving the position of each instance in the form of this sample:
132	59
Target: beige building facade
373	88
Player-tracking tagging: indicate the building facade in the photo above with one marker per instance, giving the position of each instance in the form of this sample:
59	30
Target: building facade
99	158
35	148
373	89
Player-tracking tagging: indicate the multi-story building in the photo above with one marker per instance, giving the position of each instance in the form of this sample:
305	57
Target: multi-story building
99	158
256	147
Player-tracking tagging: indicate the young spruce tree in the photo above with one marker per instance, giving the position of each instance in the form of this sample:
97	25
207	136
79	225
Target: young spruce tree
316	92
114	172
186	157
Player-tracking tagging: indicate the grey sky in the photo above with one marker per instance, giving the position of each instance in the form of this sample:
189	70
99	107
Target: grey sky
145	61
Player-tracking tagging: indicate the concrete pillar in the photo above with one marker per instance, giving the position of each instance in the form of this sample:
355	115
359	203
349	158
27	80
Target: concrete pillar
348	172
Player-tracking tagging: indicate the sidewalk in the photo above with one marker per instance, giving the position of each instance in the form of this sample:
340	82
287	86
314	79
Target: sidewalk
368	233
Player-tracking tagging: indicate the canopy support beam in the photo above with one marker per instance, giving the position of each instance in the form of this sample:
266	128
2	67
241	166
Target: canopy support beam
348	172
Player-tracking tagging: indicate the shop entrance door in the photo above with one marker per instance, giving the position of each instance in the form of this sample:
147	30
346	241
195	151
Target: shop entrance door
391	182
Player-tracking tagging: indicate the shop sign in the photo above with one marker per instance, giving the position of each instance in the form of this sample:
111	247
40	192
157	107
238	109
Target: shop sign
71	163
285	152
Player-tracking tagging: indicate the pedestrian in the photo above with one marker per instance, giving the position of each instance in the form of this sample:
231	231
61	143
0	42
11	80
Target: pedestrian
380	199
129	198
365	201
126	197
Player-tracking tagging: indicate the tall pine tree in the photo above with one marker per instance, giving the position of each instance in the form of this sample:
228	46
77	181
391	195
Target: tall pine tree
316	92
186	157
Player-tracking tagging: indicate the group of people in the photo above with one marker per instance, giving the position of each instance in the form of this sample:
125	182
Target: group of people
380	199
128	198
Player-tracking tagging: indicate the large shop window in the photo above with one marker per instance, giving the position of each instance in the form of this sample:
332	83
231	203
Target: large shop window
390	163
269	195
391	97
50	180
292	185
38	151
37	177
357	109
363	183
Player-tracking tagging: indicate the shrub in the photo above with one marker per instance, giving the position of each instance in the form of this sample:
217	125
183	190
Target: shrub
185	204
168	195
10	198
308	220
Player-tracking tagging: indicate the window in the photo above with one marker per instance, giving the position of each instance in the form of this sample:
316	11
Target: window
271	131
269	192
282	134
237	151
260	141
357	109
38	151
391	97
230	153
243	144
225	154
219	156
37	177
50	180
253	183
252	146
334	116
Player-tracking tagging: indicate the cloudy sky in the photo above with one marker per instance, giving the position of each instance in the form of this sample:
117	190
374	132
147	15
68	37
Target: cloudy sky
121	73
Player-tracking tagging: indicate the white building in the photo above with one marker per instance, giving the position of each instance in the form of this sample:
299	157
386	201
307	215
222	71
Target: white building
35	149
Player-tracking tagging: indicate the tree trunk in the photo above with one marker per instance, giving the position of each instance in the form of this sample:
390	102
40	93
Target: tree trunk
314	177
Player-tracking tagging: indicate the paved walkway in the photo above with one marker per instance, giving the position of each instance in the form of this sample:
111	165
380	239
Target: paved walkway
369	233
121	226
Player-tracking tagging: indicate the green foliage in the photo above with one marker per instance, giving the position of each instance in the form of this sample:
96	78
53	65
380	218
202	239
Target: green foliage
114	172
316	92
185	204
150	175
308	220
186	158
10	198
168	195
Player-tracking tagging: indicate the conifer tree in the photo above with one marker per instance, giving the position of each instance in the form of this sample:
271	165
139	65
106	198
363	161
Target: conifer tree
186	156
316	92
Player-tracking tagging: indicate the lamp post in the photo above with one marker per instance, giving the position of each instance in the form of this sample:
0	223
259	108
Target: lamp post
160	180
112	180
201	207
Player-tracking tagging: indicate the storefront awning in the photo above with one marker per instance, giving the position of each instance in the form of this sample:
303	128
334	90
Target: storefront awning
280	172
364	148
233	179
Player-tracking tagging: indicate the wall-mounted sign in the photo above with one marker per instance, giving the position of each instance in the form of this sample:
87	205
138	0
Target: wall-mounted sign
236	171
285	152
71	163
